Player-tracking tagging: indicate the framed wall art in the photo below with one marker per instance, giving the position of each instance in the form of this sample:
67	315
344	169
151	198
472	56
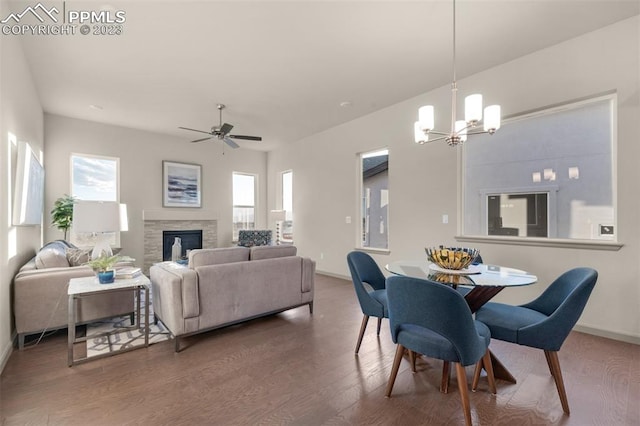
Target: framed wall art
181	184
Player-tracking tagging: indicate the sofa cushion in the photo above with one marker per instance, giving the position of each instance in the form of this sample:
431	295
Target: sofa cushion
270	252
78	256
51	256
202	257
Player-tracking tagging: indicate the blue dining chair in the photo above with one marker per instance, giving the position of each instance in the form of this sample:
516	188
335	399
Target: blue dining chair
433	319
373	300
545	322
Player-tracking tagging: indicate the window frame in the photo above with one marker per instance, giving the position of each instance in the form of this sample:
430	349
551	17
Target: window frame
594	244
361	218
72	236
234	233
288	213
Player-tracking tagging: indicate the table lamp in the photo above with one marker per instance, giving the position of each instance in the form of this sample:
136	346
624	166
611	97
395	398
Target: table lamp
100	218
278	216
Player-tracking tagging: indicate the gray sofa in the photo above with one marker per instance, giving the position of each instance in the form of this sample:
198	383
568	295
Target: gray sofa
225	286
40	292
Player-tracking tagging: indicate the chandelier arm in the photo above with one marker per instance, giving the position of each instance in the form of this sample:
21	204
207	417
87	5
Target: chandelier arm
478	132
435	132
441	138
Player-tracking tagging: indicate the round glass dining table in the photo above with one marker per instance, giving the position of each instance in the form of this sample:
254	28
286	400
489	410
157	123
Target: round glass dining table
484	282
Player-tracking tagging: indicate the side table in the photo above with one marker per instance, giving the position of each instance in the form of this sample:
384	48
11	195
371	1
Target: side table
86	286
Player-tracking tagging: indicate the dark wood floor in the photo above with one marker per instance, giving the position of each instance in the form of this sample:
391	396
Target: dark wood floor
298	369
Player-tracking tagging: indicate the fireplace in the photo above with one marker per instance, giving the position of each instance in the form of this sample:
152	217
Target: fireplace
190	240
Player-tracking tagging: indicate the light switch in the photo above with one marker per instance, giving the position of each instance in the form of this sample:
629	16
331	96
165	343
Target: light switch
347	219
445	218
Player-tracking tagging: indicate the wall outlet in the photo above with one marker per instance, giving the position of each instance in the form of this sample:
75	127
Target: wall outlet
347	219
321	256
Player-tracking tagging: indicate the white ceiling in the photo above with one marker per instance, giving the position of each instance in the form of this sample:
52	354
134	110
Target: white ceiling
283	68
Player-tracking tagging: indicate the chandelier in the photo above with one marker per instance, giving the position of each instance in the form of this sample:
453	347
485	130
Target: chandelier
460	129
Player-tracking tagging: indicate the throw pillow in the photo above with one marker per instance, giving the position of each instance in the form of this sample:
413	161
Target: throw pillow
51	257
78	256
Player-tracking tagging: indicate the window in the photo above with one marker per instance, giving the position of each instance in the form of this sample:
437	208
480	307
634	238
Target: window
94	178
244	202
374	194
287	206
547	174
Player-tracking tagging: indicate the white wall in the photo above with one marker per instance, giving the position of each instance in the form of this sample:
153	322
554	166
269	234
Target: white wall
424	179
21	115
141	154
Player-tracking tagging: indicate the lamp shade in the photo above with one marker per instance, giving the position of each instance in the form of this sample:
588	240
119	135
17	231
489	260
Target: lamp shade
492	118
473	108
426	118
419	136
96	216
278	215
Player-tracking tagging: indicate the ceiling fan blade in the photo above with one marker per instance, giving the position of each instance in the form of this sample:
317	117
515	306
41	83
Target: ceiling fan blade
203	139
194	130
231	143
249	138
225	128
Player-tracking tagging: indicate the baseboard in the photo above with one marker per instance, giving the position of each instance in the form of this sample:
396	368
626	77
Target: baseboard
6	353
608	334
331	274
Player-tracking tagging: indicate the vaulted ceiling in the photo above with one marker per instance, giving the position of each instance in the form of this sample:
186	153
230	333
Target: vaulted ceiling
284	68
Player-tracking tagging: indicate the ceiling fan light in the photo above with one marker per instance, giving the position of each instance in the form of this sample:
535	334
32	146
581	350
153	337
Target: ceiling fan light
426	118
473	108
492	118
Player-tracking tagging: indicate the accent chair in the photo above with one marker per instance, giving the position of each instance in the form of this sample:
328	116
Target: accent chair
434	319
369	283
545	322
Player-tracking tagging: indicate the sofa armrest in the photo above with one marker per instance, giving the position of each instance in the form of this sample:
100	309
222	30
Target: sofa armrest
308	274
175	296
40	299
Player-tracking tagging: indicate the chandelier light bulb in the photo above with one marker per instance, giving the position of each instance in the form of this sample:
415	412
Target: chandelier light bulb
473	109
426	118
420	136
492	118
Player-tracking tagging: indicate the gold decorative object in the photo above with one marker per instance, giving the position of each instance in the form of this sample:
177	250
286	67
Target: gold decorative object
452	257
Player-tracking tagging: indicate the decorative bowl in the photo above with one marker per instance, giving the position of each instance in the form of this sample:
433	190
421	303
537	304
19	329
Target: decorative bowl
452	257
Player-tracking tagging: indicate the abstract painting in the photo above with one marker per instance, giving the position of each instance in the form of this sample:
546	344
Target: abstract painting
181	184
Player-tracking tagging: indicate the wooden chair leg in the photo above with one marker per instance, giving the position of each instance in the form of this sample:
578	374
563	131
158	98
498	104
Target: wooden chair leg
476	375
444	384
379	325
412	360
363	327
554	363
464	392
394	370
488	367
546	355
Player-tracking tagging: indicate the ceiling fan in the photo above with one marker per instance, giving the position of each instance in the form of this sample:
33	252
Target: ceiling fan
222	132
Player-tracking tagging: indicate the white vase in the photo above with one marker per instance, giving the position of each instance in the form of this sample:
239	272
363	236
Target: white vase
176	250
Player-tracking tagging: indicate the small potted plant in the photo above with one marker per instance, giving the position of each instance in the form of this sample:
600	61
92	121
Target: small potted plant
62	213
104	267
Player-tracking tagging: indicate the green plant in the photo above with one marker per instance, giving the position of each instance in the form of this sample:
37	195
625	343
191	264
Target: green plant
103	263
62	213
